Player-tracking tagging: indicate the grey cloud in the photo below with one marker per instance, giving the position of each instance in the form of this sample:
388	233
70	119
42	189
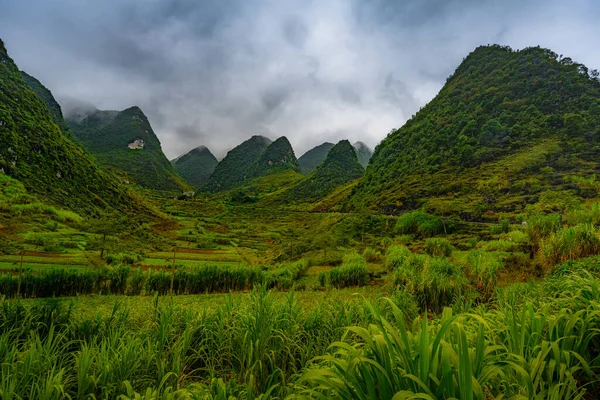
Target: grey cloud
214	72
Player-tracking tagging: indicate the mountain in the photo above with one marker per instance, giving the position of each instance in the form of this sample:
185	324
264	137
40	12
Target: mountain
501	132
277	157
314	157
340	166
363	153
34	151
235	167
46	95
124	143
196	166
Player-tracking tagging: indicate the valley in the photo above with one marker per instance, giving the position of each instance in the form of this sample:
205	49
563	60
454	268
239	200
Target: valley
458	260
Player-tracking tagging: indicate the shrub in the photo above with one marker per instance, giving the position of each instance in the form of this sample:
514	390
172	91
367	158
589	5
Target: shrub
484	267
352	272
569	244
539	226
395	256
438	247
372	256
419	222
435	282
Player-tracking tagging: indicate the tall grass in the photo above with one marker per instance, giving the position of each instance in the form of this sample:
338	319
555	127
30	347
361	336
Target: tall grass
419	222
352	272
511	352
438	247
434	281
542	344
569	244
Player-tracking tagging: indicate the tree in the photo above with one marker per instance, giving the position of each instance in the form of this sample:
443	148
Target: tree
107	224
324	241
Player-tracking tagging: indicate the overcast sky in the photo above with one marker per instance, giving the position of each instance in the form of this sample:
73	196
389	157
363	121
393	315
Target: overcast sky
215	72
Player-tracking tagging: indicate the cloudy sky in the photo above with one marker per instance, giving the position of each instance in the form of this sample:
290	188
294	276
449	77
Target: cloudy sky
215	72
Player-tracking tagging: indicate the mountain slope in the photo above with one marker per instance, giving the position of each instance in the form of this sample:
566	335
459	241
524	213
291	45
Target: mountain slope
498	104
277	157
232	170
34	151
46	95
340	166
196	166
124	142
363	153
314	157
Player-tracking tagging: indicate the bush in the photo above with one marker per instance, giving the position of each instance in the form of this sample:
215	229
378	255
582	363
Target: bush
372	256
438	247
569	244
419	222
395	256
352	272
435	282
484	267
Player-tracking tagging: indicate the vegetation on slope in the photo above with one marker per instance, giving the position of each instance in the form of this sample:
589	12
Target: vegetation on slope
108	136
277	157
314	157
340	166
233	169
51	104
196	166
498	102
34	151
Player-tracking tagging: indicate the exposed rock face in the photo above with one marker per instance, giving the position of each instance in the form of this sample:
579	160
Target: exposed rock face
137	144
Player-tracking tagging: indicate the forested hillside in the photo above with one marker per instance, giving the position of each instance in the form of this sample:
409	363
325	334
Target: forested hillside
124	143
34	151
530	104
234	168
314	157
196	166
340	166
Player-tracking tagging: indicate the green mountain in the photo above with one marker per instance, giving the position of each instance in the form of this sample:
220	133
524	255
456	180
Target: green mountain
277	157
314	157
506	127
46	95
196	166
340	166
235	168
34	151
363	153
124	143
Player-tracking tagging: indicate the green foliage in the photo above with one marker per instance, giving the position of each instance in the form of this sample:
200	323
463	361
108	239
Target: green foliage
485	268
352	272
438	247
277	157
569	244
34	151
51	104
395	256
107	135
497	102
419	222
196	166
314	157
372	256
539	226
232	170
507	353
340	166
434	281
